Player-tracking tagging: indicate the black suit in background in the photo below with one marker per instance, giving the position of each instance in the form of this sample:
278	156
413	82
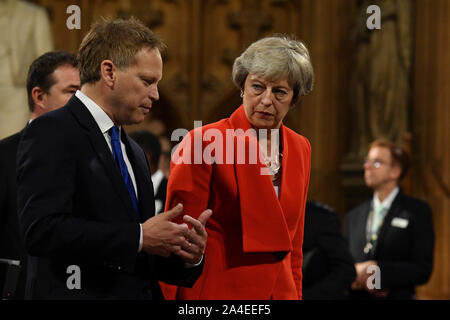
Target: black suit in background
75	210
11	244
404	255
161	193
328	268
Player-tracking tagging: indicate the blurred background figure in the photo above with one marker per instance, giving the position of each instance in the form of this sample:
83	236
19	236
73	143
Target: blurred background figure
328	269
52	79
164	164
25	34
152	148
391	231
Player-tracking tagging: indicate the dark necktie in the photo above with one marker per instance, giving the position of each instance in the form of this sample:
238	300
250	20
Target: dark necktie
118	156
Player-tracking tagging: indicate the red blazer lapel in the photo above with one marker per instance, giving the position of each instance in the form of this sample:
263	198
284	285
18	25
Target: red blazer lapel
264	228
292	179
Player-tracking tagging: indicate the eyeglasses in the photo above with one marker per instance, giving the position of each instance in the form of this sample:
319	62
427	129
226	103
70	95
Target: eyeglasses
375	163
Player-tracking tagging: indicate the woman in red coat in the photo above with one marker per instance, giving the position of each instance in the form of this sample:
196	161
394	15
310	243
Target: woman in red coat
253	172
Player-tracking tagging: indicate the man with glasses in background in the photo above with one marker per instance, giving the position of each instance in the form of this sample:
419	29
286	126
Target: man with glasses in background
390	236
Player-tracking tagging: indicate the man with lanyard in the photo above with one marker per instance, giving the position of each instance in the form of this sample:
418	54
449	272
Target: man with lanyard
391	236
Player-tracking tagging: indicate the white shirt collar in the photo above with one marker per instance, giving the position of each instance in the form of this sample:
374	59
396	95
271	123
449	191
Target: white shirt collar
386	202
103	121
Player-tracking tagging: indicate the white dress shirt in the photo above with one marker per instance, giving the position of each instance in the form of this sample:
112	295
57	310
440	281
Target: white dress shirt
386	204
157	177
376	206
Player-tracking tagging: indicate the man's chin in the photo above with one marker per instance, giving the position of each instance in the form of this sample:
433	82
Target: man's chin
135	120
369	184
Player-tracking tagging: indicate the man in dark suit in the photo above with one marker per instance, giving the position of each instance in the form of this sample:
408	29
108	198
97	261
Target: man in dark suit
84	190
391	236
328	269
152	148
52	79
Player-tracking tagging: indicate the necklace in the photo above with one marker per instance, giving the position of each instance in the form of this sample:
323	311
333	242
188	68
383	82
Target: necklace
273	163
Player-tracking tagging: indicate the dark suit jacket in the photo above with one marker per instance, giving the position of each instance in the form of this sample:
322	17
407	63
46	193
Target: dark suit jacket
75	210
161	193
404	255
328	268
11	244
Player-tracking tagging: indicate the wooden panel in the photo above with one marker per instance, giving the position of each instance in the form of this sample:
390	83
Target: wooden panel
65	39
431	133
325	26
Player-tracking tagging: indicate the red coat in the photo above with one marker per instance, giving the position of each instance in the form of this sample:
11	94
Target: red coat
254	247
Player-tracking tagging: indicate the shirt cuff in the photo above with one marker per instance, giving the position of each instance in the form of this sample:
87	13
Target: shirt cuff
188	265
140	238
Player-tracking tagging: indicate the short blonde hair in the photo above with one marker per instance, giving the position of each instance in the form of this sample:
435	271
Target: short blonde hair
117	40
274	58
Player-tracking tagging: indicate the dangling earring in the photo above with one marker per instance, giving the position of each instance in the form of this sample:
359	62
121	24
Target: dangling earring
242	94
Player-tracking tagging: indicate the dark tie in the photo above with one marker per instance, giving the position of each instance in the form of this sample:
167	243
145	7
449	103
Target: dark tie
118	156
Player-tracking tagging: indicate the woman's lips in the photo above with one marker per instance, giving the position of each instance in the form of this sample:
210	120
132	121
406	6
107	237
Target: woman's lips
264	114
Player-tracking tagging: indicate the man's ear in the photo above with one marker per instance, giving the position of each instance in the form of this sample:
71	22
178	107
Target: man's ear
39	98
108	72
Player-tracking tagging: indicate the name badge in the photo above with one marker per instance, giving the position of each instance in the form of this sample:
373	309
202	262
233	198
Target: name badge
400	223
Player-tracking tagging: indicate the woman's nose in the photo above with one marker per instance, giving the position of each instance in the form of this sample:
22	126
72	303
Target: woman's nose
267	97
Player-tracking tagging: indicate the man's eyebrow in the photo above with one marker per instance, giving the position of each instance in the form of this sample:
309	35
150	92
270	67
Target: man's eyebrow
72	86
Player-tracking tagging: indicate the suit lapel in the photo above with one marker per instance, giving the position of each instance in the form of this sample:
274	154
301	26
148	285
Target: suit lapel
292	177
393	212
361	228
264	227
103	152
362	225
